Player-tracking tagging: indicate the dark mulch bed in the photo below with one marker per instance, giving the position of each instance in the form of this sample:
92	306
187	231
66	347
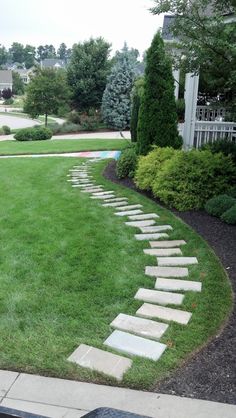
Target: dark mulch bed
211	373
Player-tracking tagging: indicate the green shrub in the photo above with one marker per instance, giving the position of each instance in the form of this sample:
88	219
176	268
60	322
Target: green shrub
33	134
232	192
127	163
180	109
150	165
8	102
189	179
230	216
6	130
225	146
217	205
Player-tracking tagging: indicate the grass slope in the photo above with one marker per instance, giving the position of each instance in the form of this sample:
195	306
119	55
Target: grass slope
68	266
60	145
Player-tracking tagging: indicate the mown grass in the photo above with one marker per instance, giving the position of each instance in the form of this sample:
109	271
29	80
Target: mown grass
60	145
68	266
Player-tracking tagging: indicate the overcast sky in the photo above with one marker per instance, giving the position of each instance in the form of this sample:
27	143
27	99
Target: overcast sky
71	21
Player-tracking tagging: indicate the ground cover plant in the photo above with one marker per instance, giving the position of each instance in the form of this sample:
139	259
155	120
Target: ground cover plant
67	270
60	145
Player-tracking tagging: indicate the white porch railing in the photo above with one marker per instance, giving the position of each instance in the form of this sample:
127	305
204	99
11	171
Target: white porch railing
212	131
205	113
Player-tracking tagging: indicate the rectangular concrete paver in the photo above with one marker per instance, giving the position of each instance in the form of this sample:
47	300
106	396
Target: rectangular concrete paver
163	251
161	312
158	228
129	212
167	244
137	224
101	361
142	327
163	298
102	197
176	261
103	193
6	380
91	190
83	186
116	199
136	346
144	216
146	237
130	207
175	284
88	396
166	271
115	204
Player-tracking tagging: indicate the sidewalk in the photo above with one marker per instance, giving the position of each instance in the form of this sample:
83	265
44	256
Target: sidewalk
58	398
93	135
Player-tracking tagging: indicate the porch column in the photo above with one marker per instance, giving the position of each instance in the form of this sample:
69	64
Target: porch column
190	96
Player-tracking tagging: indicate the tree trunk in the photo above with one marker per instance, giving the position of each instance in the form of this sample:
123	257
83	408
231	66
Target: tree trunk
46	119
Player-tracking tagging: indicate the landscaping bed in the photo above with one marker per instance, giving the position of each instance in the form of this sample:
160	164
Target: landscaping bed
211	372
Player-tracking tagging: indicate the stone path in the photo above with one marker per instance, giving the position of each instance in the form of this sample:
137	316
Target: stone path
139	335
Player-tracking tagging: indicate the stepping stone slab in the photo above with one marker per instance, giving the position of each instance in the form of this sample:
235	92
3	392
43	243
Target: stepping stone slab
166	271
142	327
144	216
91	190
174	284
102	197
137	224
117	199
146	237
176	261
85	185
159	228
163	298
136	346
101	361
167	244
167	314
129	207
162	251
104	193
129	212
115	204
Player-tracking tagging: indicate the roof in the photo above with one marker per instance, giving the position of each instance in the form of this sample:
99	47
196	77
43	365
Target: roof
53	63
6	76
167	34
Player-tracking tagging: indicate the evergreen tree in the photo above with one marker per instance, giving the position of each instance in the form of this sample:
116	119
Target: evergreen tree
157	117
116	101
135	106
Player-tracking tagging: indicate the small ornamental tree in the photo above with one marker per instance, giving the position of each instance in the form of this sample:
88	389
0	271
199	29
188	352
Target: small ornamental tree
157	116
116	101
46	93
6	94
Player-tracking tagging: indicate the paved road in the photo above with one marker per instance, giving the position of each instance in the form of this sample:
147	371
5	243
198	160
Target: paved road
15	122
97	135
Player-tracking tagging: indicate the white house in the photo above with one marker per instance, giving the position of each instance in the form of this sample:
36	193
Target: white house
5	80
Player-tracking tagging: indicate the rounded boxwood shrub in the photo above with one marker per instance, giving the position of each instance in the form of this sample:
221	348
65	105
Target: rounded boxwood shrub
217	205
232	192
189	179
150	165
33	134
230	215
127	163
6	130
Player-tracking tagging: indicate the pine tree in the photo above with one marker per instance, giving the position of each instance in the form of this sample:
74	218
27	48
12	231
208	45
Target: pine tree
157	116
116	101
136	97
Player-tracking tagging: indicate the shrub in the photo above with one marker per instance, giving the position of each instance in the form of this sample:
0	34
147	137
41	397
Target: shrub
127	163
217	205
6	94
225	146
8	102
230	215
136	97
180	109
232	192
189	179
33	134
6	130
150	165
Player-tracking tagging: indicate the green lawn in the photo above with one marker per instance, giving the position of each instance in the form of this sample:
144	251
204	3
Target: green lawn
68	267
60	145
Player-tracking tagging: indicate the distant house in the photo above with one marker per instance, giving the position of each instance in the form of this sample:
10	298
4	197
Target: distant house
5	80
55	63
24	74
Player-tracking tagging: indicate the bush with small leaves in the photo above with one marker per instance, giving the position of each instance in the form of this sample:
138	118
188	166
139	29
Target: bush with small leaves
217	205
33	134
225	146
6	130
230	216
127	162
150	165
